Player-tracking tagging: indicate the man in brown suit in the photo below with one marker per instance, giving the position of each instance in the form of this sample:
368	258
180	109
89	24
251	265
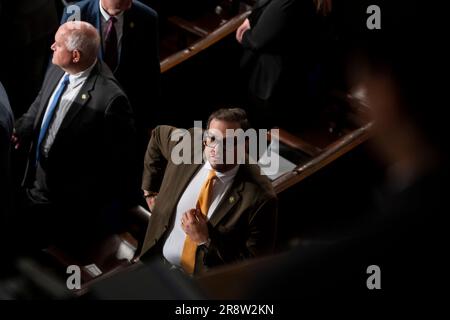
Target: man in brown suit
239	221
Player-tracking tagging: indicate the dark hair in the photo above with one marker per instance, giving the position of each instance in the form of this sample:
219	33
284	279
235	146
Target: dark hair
231	115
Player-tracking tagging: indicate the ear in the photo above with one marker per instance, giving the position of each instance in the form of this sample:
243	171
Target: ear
76	56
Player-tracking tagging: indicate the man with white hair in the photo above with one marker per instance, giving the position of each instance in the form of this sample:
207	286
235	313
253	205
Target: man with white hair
81	140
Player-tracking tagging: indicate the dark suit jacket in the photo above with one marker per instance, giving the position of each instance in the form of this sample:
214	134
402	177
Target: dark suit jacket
90	165
6	128
278	46
244	223
138	71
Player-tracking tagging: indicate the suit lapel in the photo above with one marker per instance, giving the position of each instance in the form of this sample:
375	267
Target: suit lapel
97	23
54	78
260	4
82	98
229	200
128	27
184	178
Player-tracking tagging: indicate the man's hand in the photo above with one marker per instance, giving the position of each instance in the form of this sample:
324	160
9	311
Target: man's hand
194	224
150	198
241	30
15	140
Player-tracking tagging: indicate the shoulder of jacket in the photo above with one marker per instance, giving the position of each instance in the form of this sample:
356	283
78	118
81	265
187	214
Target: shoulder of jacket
261	185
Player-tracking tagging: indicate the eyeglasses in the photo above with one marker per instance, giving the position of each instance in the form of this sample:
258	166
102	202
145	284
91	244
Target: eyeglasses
212	141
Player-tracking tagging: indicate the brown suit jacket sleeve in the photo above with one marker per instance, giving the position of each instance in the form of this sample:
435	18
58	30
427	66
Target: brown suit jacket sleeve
158	152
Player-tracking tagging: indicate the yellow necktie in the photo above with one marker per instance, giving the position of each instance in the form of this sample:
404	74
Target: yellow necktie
203	202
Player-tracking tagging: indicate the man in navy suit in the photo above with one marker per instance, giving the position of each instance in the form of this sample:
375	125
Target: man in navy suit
131	51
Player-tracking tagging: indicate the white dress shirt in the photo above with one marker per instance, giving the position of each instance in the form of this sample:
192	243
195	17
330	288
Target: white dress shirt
173	247
118	25
76	82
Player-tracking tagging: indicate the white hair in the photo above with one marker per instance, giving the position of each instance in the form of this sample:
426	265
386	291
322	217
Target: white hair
83	37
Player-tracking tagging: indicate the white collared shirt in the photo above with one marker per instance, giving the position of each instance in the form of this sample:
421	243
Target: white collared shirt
104	17
173	247
76	82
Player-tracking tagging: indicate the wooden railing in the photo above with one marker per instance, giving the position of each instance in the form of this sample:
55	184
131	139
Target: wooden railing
326	156
209	39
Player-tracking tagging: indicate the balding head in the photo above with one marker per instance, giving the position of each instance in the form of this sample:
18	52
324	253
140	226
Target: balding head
76	46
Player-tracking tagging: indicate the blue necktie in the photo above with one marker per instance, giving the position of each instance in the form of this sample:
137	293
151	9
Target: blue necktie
49	116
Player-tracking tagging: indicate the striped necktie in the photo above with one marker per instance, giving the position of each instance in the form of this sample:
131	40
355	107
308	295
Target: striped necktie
49	115
111	51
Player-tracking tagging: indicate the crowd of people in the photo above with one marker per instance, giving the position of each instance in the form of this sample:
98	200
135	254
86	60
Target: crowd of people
83	153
